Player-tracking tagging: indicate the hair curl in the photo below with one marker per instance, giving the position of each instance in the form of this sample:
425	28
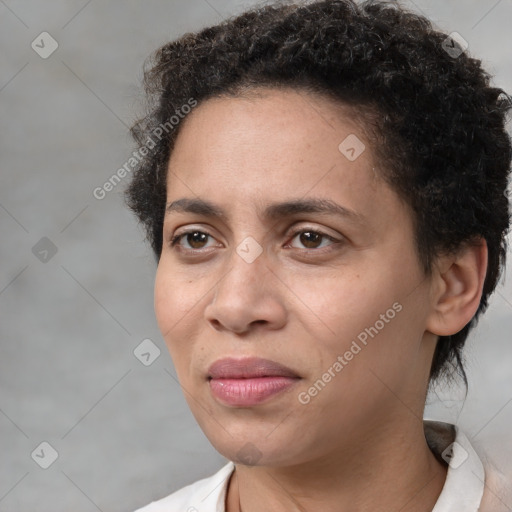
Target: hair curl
440	124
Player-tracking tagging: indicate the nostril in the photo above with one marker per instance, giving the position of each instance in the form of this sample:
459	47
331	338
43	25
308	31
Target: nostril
215	322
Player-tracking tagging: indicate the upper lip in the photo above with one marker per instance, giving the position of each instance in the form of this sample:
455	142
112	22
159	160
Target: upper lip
231	368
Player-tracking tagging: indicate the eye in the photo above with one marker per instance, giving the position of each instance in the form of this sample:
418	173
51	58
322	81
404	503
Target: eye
195	239
312	239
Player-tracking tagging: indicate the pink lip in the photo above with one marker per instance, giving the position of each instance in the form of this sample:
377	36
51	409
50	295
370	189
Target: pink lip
246	368
248	381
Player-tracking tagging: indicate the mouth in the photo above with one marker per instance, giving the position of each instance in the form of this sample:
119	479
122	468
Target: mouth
248	368
249	381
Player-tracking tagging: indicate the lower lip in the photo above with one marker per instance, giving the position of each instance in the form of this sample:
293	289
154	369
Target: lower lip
246	392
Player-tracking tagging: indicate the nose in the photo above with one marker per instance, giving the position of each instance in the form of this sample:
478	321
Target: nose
247	296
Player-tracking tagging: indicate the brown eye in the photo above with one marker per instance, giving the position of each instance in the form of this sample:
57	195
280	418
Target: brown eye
195	239
312	239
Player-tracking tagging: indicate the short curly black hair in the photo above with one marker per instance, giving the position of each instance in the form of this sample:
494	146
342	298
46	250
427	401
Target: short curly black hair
440	125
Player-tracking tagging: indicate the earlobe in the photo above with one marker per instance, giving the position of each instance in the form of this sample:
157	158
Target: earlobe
459	281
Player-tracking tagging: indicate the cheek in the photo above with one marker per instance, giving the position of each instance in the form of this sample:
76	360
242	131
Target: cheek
368	308
172	303
175	297
338	307
165	302
171	314
178	303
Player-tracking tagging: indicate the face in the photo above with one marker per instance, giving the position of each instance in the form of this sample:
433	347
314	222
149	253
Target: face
282	243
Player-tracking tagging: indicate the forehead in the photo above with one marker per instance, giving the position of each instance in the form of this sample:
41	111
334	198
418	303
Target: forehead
272	145
265	120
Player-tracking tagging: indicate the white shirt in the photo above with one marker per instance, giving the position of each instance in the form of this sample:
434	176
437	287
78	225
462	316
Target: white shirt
462	492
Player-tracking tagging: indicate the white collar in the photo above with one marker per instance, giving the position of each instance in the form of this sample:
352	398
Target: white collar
464	485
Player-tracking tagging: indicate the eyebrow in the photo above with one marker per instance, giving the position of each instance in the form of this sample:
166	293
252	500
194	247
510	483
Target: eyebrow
272	212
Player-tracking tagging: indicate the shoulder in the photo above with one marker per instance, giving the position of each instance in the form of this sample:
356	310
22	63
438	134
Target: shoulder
206	495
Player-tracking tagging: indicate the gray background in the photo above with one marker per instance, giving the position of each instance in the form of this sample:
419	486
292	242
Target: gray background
69	326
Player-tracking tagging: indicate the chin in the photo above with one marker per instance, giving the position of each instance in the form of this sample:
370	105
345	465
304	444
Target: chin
255	450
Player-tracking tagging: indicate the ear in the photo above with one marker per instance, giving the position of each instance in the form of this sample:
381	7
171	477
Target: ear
457	284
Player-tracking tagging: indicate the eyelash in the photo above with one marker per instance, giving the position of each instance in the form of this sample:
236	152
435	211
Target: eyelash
175	239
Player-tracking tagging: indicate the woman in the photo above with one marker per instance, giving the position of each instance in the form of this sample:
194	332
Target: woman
323	186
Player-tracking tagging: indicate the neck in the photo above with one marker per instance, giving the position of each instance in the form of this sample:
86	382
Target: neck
388	469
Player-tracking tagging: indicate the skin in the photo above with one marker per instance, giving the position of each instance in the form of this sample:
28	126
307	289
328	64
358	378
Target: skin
359	443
